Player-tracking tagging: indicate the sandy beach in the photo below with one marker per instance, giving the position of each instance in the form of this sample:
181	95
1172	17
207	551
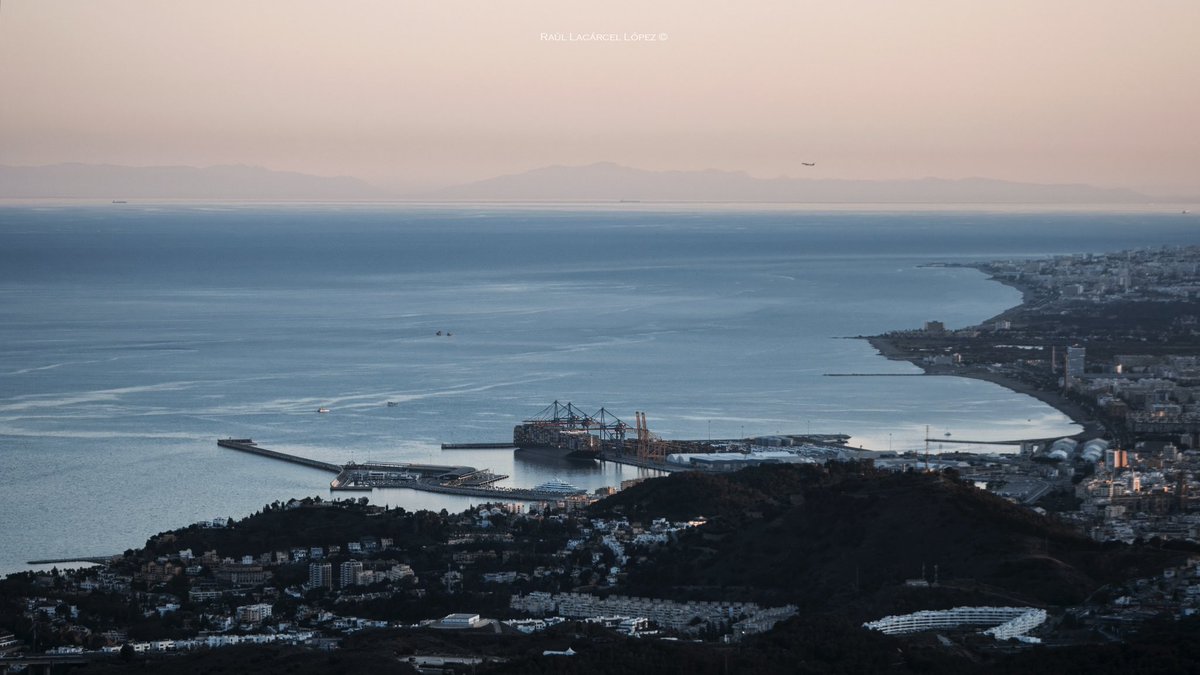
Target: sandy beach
1091	427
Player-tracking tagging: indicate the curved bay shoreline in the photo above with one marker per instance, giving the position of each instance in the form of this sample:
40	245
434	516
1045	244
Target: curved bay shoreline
887	347
1054	399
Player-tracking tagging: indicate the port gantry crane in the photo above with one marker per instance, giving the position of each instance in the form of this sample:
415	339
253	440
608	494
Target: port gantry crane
649	447
568	417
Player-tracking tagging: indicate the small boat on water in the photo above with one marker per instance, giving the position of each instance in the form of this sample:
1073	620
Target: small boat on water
322	410
392	404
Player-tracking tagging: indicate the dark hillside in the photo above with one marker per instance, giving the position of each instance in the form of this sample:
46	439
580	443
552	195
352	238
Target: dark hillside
851	536
689	494
280	527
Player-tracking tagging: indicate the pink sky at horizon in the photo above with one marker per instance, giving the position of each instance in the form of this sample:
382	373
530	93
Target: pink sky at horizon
415	95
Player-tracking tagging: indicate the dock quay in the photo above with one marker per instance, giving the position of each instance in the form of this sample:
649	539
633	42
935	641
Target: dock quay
442	479
478	446
416	476
641	463
493	492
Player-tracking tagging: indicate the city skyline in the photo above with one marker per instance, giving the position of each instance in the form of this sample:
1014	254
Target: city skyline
415	97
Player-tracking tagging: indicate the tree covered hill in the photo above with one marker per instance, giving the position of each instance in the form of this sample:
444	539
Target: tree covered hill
848	535
303	524
839	541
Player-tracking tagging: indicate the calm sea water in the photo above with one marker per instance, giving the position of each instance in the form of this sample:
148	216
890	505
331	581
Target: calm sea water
133	336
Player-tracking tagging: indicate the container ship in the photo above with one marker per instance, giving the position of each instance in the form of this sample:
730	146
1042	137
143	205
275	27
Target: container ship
562	430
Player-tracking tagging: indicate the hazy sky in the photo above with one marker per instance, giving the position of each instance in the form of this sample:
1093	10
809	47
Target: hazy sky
409	93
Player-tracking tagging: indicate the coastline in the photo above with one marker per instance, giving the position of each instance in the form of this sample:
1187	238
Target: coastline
1090	426
887	348
1025	290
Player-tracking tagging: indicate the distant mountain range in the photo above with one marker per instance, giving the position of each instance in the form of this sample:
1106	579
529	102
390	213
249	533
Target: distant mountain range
603	181
106	181
606	181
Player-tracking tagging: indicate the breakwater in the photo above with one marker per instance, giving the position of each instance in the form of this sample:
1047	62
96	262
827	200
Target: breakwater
98	560
875	374
443	479
248	445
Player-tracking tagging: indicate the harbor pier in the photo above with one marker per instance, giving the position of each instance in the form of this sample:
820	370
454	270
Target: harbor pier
453	480
248	445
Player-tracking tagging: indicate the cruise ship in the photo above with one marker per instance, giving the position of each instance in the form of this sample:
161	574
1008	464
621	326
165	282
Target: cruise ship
561	487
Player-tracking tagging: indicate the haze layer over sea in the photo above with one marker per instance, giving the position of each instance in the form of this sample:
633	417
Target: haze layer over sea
134	335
